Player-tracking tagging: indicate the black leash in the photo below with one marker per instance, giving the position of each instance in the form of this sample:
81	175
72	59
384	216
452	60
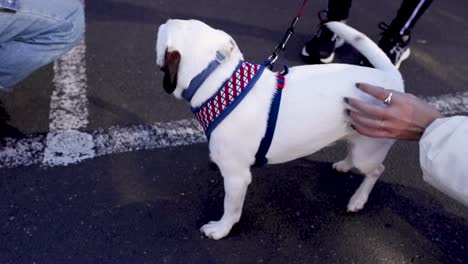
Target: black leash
282	45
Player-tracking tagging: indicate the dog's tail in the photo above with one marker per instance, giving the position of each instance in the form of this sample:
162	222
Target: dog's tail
364	45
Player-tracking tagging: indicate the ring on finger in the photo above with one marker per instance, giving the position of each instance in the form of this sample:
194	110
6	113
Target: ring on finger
388	99
382	124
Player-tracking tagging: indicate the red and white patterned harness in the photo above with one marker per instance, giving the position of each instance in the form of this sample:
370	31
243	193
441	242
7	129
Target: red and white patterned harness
231	93
211	113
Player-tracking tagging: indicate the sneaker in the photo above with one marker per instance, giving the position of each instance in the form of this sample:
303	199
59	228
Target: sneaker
394	45
321	48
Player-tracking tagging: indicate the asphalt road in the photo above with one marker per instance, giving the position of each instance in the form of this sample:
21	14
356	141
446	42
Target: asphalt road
146	206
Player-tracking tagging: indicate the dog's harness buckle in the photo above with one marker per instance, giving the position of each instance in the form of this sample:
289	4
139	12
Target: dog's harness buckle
219	57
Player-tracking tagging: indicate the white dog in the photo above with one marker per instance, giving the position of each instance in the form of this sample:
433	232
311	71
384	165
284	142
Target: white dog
312	113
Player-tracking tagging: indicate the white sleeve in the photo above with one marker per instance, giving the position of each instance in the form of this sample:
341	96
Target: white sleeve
444	156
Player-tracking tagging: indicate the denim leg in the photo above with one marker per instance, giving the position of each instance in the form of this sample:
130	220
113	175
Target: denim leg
39	32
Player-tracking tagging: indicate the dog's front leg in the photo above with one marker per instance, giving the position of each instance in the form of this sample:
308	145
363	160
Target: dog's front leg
236	182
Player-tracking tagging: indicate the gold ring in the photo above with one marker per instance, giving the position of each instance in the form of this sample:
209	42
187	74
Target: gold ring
388	99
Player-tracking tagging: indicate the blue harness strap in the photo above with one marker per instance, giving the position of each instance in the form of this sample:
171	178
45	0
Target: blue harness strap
260	157
201	77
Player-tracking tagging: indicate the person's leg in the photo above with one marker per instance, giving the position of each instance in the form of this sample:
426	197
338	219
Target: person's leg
409	13
321	48
38	32
338	10
396	36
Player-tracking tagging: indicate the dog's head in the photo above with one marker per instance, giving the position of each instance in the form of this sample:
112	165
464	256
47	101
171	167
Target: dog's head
185	47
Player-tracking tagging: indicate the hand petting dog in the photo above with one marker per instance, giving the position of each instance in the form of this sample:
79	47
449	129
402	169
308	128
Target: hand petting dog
405	116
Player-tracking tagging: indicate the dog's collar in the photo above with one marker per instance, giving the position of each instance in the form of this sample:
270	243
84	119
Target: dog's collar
197	81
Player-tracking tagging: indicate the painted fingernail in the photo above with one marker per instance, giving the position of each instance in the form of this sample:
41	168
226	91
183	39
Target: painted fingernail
353	127
348	112
346	99
357	85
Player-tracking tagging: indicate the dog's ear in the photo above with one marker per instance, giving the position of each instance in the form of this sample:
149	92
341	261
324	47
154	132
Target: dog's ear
170	69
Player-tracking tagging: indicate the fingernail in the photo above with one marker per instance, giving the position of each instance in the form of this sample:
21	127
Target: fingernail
346	99
348	112
353	127
357	85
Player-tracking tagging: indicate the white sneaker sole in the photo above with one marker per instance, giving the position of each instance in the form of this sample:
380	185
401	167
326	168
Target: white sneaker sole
304	52
329	59
338	43
324	60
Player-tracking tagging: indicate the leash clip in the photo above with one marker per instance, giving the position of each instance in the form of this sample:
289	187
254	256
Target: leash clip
271	60
282	45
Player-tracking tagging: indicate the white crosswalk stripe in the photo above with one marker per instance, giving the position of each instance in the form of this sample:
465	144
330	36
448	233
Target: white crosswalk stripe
69	110
77	146
73	146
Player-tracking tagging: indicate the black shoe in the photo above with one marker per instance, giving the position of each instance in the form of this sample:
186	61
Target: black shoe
321	48
395	46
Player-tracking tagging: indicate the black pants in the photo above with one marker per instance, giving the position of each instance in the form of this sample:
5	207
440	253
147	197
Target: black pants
410	11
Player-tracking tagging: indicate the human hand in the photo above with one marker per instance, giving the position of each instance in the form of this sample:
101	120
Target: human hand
405	117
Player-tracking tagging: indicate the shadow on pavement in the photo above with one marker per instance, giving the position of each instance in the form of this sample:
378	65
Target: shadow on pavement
6	130
147	206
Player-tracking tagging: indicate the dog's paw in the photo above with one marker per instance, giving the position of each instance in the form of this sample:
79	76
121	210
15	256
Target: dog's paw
216	230
342	166
357	202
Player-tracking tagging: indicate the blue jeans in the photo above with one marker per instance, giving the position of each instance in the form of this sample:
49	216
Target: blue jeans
37	33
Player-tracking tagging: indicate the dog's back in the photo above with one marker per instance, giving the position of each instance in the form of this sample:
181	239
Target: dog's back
319	91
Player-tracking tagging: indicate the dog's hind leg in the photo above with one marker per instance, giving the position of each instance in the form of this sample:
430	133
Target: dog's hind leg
366	155
236	181
346	164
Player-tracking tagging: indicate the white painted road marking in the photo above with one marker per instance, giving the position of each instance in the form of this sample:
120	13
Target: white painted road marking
73	146
450	104
73	149
69	103
69	110
68	147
